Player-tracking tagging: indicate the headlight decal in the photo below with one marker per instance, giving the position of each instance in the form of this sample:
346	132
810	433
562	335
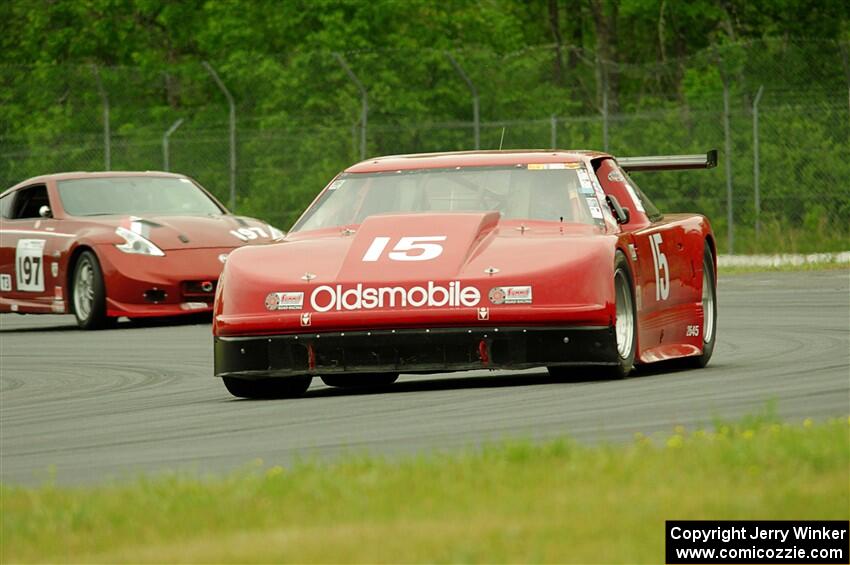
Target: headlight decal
136	243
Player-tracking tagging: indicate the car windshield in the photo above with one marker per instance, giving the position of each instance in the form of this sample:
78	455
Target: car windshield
135	195
552	192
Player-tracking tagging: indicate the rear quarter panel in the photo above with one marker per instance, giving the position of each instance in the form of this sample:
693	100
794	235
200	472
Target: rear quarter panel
669	286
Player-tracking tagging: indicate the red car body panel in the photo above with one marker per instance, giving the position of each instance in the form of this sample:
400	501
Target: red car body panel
478	241
192	246
569	267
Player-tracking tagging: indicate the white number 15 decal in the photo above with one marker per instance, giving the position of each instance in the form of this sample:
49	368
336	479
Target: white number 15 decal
417	248
662	282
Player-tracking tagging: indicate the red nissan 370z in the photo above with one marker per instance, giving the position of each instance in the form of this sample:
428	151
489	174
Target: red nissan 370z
105	245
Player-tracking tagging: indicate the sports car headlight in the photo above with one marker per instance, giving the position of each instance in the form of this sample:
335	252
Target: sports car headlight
136	243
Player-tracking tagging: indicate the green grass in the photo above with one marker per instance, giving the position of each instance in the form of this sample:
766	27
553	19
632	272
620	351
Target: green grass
817	235
511	502
819	266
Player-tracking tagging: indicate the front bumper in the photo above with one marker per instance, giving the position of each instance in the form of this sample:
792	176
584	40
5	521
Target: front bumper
413	350
140	286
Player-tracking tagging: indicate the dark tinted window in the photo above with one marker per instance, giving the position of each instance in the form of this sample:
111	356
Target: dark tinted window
26	202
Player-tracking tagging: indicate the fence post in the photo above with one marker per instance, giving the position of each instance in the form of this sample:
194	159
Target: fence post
727	134
553	130
364	102
756	189
107	138
476	118
602	84
605	116
165	138
232	105
847	73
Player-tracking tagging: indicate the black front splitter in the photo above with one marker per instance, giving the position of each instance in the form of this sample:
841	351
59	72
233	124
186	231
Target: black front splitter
413	350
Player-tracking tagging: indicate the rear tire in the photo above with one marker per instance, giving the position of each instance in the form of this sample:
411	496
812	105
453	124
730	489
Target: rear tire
360	380
709	306
272	387
88	293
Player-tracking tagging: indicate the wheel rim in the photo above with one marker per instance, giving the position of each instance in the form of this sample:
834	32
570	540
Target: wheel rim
84	290
625	323
707	306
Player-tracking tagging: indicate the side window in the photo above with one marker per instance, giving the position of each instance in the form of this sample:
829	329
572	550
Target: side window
649	208
28	201
6	205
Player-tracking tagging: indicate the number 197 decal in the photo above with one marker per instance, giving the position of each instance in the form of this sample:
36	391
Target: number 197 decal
29	265
247	234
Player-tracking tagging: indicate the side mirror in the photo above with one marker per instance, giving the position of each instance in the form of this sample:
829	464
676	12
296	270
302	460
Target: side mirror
620	214
45	212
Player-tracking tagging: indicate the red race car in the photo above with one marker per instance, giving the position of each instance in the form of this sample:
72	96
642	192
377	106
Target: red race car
455	261
104	245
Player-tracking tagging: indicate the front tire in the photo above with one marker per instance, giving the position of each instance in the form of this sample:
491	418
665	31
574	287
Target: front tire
625	330
272	387
709	309
88	293
625	323
360	380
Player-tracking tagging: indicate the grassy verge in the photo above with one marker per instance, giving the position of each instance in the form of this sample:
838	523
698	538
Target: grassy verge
821	266
516	502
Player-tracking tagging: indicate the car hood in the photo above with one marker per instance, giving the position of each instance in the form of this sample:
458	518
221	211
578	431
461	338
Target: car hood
193	232
478	249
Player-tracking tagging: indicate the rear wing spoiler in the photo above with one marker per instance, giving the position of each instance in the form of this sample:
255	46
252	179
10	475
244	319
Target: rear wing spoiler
669	162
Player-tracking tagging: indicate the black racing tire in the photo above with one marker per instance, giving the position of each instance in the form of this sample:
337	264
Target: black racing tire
709	304
272	387
360	380
88	293
625	323
625	332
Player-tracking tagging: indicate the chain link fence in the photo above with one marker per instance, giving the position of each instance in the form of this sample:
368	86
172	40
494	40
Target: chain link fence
779	112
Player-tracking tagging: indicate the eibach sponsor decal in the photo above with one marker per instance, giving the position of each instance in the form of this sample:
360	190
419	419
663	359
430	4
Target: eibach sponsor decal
510	295
285	301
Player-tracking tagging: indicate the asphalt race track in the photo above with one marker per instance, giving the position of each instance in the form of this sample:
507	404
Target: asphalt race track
93	406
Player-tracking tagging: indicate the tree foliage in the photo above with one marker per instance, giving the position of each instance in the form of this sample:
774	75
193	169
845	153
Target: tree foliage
658	66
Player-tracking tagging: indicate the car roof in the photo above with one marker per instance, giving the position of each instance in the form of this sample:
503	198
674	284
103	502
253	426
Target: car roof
471	159
94	175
